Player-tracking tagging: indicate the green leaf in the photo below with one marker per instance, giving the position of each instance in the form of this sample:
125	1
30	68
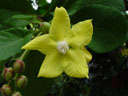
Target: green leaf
117	4
7	20
17	5
72	6
109	27
28	17
36	86
11	22
5	14
56	3
2	27
12	40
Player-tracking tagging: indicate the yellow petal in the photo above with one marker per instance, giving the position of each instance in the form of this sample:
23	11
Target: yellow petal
82	32
87	54
42	43
77	64
60	24
52	65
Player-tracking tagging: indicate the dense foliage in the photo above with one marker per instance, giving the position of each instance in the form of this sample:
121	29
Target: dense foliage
19	23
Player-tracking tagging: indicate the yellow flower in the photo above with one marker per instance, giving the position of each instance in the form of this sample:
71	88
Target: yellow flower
124	52
64	47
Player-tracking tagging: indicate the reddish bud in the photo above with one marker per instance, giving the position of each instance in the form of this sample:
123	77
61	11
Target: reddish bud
6	90
45	27
22	81
18	66
16	94
8	73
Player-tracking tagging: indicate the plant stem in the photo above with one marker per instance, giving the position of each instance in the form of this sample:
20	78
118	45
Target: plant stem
16	76
25	53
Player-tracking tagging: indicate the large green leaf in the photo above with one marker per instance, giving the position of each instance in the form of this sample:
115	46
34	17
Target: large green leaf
36	86
118	4
109	26
17	5
7	20
5	14
72	6
12	40
56	3
11	22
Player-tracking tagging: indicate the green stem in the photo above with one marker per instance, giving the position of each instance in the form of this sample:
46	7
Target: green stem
38	34
25	53
22	57
16	76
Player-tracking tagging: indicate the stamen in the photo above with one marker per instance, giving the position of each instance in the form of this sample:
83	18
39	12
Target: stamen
62	47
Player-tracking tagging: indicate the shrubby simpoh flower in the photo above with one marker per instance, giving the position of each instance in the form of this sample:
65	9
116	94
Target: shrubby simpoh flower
64	47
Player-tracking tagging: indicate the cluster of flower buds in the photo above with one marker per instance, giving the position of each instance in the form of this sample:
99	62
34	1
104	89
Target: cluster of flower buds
12	73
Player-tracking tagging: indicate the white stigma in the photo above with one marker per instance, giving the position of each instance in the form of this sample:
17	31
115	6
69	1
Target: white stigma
62	47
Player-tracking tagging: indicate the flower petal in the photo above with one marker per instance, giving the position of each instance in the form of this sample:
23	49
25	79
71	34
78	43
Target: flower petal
52	65
77	64
42	43
60	24
82	32
87	54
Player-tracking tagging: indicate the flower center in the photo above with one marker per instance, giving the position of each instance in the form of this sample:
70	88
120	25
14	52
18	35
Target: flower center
62	47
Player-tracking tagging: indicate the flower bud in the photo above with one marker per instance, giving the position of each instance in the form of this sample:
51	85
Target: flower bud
8	73
6	90
16	94
22	81
18	66
45	27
